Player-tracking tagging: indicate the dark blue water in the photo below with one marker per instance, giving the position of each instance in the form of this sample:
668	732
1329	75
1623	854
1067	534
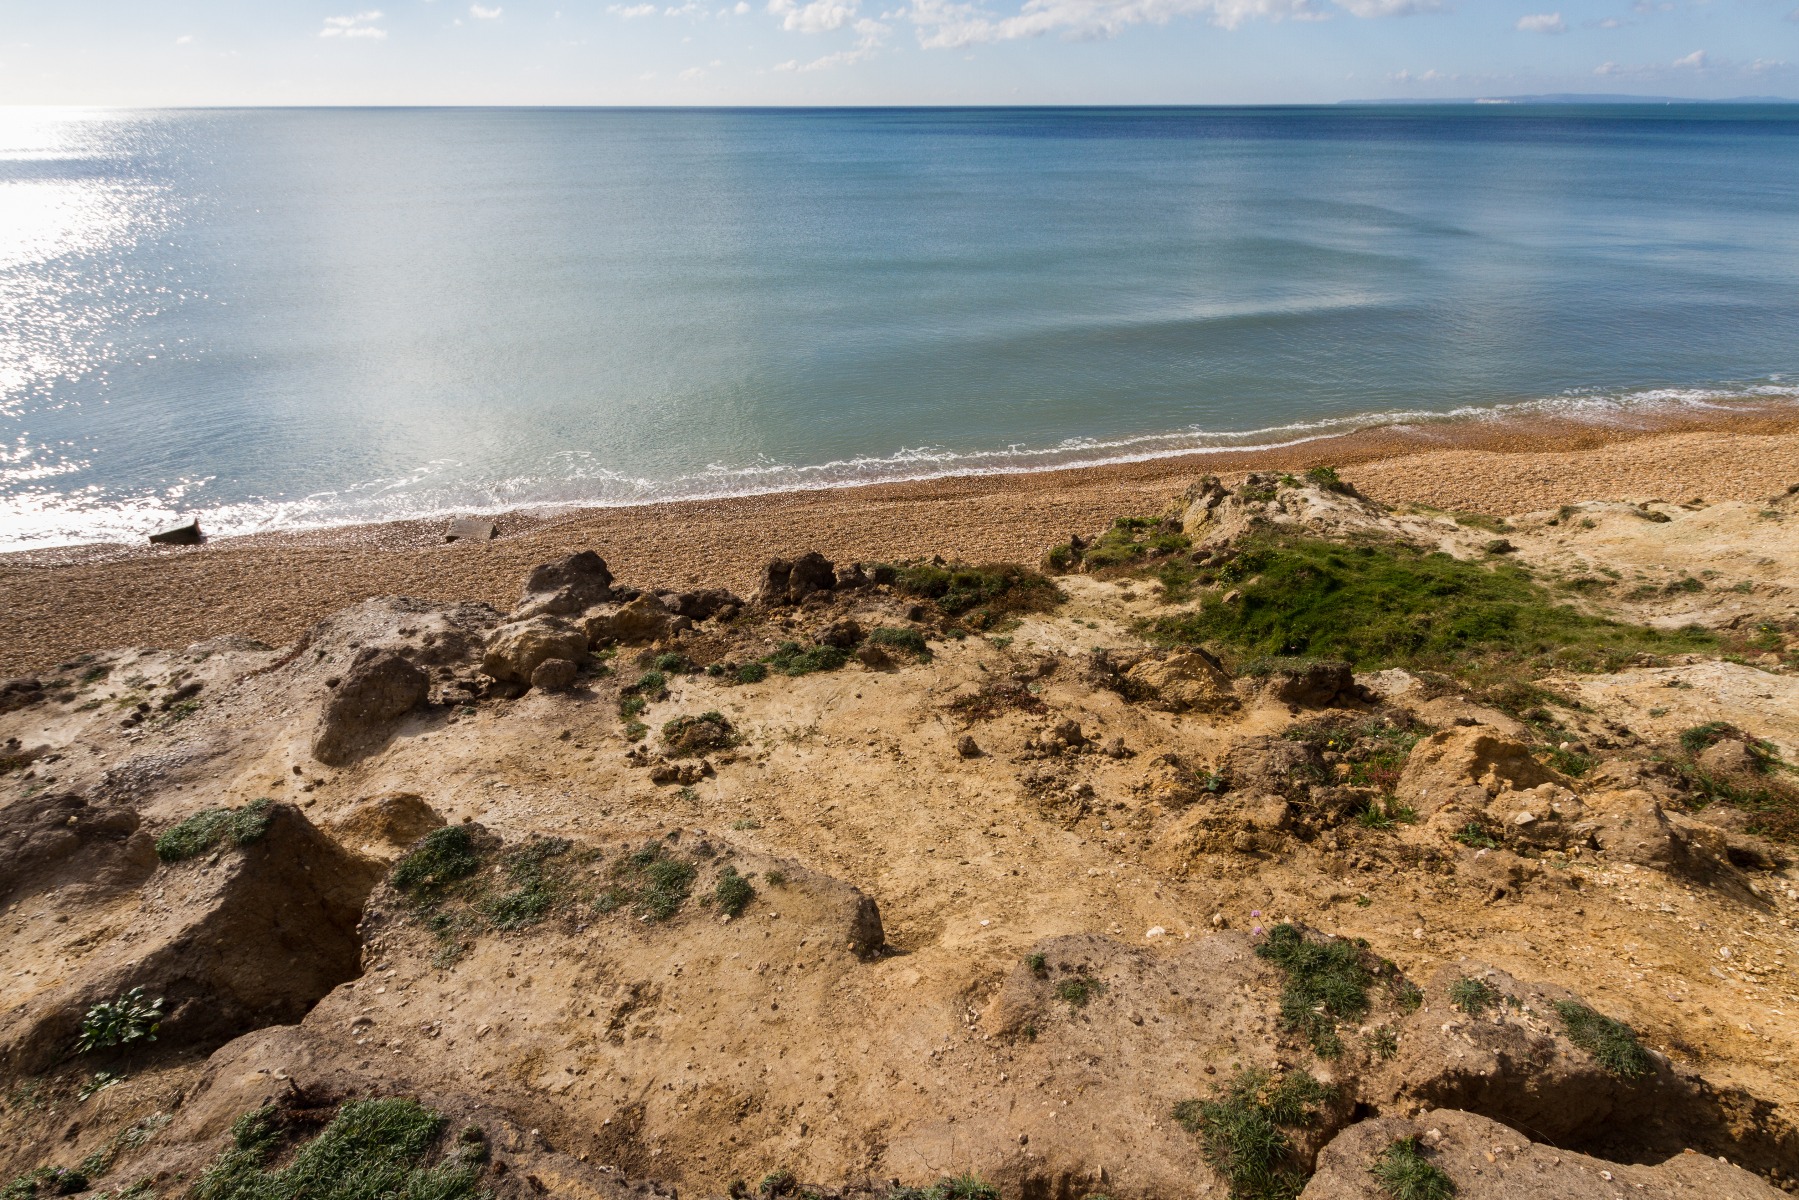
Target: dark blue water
285	317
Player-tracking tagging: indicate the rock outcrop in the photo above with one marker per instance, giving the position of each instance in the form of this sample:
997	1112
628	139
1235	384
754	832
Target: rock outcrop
379	688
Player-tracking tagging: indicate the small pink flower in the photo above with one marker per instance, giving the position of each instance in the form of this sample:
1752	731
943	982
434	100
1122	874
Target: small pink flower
1258	931
1255	912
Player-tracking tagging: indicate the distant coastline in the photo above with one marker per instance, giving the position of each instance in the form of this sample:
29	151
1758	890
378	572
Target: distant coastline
1574	98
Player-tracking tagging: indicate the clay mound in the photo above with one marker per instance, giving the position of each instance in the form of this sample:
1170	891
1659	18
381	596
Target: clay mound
248	936
358	715
1485	1160
385	826
59	839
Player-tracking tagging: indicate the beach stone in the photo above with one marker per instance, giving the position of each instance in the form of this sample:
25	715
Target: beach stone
554	674
379	687
179	535
470	529
567	586
515	650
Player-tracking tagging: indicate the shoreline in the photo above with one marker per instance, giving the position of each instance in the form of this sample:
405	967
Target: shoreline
271	585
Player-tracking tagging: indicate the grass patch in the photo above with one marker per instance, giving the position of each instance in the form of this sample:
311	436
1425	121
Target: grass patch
119	1024
653	881
996	698
981	595
1405	1173
1473	996
951	1187
1132	538
790	658
733	892
1079	991
901	637
687	736
1475	834
1326	981
1386	814
1613	1044
204	831
1388	604
442	857
534	888
1243	1131
752	672
371	1150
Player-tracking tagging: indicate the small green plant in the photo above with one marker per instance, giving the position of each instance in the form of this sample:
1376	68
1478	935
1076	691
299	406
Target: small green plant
743	823
442	857
1079	991
733	892
1473	996
686	736
45	1181
1474	834
651	683
123	1022
1571	763
1328	479
791	659
99	1081
1038	964
635	730
673	663
752	673
371	1150
959	1187
901	637
534	887
1406	1174
1243	1132
654	880
1382	1042
1613	1044
1326	981
980	594
775	878
214	827
777	1183
1387	814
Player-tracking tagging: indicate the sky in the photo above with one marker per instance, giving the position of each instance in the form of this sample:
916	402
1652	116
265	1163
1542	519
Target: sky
855	52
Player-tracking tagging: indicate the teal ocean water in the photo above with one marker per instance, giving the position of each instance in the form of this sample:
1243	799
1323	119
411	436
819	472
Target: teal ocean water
279	318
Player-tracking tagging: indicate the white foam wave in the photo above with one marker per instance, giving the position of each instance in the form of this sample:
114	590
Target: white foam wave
38	517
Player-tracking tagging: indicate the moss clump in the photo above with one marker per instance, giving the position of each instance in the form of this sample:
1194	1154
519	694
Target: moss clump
1386	604
732	893
1406	1174
790	658
651	879
1613	1044
1473	996
534	887
686	736
981	595
1326	981
444	856
1079	991
214	827
901	637
1243	1132
371	1150
1130	539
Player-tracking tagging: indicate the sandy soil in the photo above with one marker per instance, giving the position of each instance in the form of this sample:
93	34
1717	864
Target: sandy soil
271	586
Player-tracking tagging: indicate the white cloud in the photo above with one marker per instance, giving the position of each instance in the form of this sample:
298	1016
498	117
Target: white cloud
485	14
631	12
1695	60
692	73
1762	66
185	39
1608	68
1542	23
953	23
361	25
814	16
869	37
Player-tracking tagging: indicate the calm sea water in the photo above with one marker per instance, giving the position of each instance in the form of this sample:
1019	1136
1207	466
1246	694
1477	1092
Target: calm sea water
280	318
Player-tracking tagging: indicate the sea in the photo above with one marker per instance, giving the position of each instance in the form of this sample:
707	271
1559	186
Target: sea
289	318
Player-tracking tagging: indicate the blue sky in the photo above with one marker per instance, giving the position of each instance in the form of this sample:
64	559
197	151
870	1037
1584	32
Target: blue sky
134	52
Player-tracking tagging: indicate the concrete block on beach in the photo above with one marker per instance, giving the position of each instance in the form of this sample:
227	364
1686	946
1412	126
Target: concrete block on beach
180	535
470	529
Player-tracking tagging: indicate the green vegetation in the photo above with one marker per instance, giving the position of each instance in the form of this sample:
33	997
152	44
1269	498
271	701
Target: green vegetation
982	595
1772	800
686	736
960	1187
1474	834
1325	982
1375	749
1133	538
651	683
214	827
1613	1044
371	1150
45	1181
733	892
118	1023
1571	763
1079	990
901	637
534	889
1407	1174
653	880
1243	1131
1386	814
1328	479
752	672
444	856
790	659
1382	1042
1473	996
775	878
674	663
1038	964
1384	604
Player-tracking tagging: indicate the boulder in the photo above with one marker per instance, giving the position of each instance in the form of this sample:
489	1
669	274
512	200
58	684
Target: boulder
516	649
20	693
790	582
568	586
641	621
59	839
842	634
554	674
1200	502
701	605
379	688
851	577
1468	767
1317	685
1185	682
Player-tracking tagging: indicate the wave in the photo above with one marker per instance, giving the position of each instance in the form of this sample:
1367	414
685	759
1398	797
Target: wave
38	517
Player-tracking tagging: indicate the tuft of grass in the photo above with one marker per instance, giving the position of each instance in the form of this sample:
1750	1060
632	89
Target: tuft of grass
733	892
1386	814
790	658
1079	991
775	878
1328	479
655	881
1326	981
1389	604
651	683
1474	834
1473	996
673	663
371	1150
1406	1174
957	1187
752	672
1038	964
1131	538
901	637
685	736
1243	1134
1382	1042
214	827
123	1022
981	595
442	857
534	888
1613	1044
